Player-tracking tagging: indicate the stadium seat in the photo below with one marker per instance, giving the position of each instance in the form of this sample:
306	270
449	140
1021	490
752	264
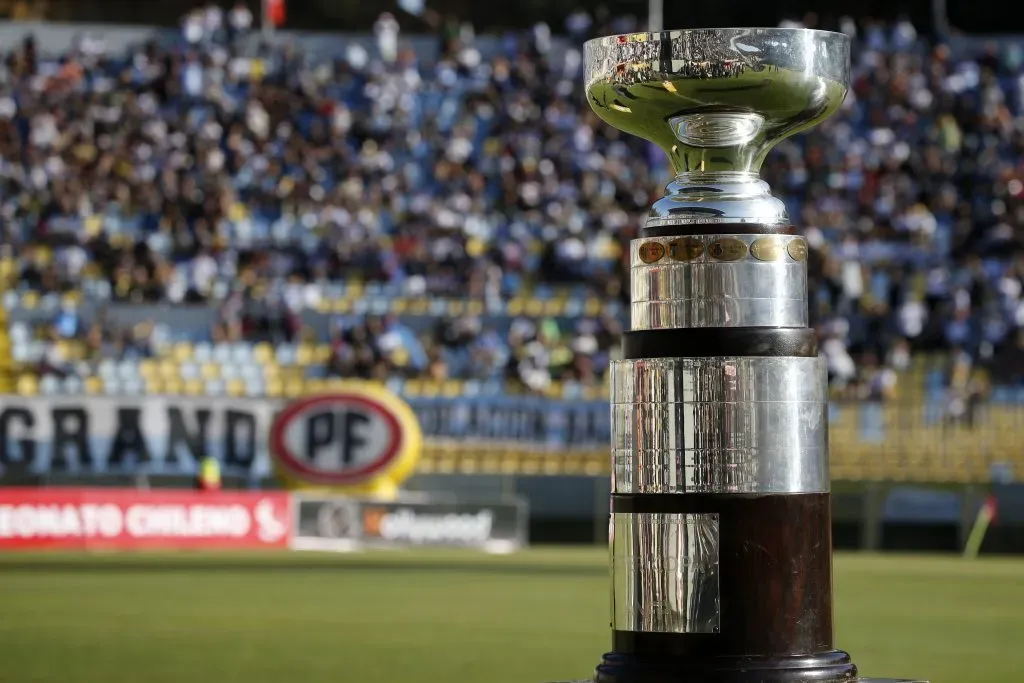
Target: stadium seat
148	368
202	353
304	355
193	387
263	353
49	385
189	370
214	387
274	388
286	354
133	386
241	353
20	333
209	371
235	387
293	387
127	370
169	369
106	368
72	385
322	353
222	354
182	351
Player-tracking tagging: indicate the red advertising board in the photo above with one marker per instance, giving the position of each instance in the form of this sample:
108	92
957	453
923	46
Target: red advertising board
125	519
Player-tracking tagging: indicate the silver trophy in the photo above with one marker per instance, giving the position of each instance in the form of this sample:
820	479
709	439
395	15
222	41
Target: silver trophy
720	527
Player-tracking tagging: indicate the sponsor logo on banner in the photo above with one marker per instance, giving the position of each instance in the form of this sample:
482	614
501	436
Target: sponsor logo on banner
126	519
408	526
363	438
336	522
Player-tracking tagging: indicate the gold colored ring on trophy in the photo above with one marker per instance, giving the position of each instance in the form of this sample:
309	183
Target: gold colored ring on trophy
767	249
685	249
727	249
651	252
798	249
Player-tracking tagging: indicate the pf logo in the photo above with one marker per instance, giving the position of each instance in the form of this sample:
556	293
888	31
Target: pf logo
362	439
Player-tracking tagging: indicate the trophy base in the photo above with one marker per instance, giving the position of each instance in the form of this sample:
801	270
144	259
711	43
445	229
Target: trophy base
827	667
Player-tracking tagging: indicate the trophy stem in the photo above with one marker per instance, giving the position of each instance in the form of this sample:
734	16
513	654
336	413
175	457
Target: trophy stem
708	197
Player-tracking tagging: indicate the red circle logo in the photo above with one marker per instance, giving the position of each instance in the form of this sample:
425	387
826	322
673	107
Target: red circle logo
337	439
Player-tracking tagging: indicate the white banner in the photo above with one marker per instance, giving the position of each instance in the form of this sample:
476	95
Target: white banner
135	435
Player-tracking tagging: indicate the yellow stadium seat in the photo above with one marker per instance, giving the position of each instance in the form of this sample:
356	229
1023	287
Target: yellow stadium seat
304	355
456	307
515	306
154	386
534	308
593	306
210	371
28	385
194	387
29	300
147	369
315	386
182	351
413	387
553	307
399	306
342	305
274	388
235	387
174	386
293	387
169	369
263	353
419	306
322	353
93	386
475	307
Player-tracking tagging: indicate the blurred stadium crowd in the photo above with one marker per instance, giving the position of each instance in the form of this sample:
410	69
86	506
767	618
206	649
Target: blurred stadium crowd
480	194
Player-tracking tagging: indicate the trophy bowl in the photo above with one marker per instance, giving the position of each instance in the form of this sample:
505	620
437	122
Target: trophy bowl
716	101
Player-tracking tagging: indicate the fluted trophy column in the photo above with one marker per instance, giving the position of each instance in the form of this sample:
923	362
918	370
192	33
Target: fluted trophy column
720	529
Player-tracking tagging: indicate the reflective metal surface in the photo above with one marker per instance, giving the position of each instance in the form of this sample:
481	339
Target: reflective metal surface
691	282
665	573
719	425
717	99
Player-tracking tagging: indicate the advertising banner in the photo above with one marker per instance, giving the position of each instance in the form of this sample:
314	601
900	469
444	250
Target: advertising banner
327	440
123	519
335	523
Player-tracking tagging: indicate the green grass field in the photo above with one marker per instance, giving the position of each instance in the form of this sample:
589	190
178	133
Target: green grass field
436	617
